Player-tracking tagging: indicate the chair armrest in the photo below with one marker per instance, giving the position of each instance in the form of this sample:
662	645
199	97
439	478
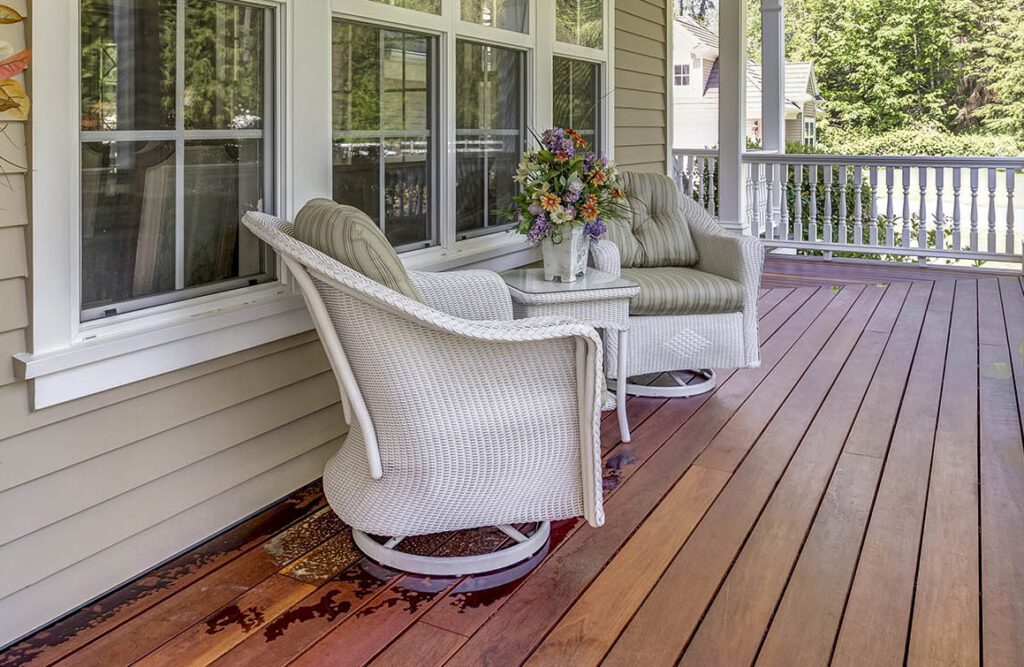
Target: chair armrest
471	295
605	257
722	252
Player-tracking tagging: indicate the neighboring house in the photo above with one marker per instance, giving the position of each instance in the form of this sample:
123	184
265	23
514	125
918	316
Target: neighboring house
695	86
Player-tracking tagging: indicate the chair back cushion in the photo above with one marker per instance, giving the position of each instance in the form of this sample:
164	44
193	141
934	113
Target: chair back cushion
350	236
654	232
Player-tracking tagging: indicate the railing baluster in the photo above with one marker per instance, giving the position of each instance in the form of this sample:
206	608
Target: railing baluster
712	177
858	210
957	232
769	218
798	182
890	214
784	201
748	199
873	222
691	164
844	236
940	215
974	209
906	207
922	212
991	210
762	197
1011	248
812	211
829	229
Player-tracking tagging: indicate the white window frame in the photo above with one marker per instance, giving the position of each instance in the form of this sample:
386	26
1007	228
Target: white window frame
70	359
681	74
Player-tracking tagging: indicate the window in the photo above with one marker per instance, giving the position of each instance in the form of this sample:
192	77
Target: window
505	14
810	132
175	145
681	75
489	134
383	119
576	97
580	22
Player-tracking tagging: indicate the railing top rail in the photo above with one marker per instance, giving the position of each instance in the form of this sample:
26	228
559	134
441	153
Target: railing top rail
886	160
699	152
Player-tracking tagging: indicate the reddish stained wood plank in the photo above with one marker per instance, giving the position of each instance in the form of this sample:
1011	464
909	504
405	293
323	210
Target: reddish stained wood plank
374	626
733	627
540	602
586	632
422	644
945	627
875	624
804	628
218	633
665	622
102	616
158	624
1002	475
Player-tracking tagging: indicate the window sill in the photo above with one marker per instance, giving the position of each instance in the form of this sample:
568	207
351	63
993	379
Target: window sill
163	342
498	251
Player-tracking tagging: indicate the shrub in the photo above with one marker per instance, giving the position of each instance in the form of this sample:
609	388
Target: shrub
918	141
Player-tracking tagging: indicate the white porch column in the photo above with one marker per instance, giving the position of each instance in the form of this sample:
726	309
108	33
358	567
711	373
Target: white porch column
732	114
773	75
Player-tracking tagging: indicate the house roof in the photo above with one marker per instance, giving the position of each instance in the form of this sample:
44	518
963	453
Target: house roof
704	36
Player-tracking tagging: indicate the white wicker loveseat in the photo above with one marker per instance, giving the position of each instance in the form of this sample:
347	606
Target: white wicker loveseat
460	417
697	307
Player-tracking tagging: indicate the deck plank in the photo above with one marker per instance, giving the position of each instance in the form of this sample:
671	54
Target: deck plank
804	628
785	404
1002	476
877	618
945	624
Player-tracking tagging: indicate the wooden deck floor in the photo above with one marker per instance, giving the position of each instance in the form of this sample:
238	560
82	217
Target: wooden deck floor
858	499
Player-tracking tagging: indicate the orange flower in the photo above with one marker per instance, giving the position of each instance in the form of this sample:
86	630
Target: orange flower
590	211
576	138
617	193
549	202
598	177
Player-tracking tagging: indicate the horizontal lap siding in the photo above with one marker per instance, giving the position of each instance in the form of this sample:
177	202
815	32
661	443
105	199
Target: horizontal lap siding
641	119
95	491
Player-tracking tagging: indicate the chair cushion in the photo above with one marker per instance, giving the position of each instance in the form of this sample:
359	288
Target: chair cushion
350	236
682	291
654	232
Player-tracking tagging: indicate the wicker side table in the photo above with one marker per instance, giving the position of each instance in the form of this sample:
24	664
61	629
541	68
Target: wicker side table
599	299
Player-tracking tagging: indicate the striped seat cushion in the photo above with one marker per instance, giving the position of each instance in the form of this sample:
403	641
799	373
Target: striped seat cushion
682	291
350	236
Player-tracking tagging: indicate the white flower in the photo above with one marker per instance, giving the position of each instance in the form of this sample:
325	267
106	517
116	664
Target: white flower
560	216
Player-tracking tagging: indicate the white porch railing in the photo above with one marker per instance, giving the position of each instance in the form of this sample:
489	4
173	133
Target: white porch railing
873	206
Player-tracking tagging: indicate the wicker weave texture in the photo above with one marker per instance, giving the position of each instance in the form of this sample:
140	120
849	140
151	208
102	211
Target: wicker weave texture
477	422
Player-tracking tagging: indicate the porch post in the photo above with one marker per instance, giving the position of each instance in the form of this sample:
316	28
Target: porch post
773	75
732	115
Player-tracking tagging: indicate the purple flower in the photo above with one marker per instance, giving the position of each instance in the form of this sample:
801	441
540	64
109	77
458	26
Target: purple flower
559	143
595	229
570	196
540	228
535	209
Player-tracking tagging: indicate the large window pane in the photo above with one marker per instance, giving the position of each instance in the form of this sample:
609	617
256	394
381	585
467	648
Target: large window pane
576	97
580	22
128	64
489	134
161	211
431	6
224	63
383	120
128	218
505	14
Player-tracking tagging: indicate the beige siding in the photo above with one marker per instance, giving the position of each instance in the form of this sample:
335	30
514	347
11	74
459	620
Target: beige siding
97	490
641	118
795	129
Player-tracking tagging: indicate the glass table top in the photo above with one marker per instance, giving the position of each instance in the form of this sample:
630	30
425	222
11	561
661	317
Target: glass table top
531	281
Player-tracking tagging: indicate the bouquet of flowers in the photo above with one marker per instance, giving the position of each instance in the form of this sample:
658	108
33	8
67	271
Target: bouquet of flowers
565	187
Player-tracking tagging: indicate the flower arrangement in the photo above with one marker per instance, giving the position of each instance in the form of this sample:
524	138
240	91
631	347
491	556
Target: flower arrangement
565	187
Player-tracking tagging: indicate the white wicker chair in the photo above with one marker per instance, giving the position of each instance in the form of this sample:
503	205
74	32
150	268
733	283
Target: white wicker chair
688	347
460	417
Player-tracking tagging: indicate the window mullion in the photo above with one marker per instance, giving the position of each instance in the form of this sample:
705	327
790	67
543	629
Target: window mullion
179	146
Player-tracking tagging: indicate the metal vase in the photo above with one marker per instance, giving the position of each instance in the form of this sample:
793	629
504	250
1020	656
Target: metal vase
567	259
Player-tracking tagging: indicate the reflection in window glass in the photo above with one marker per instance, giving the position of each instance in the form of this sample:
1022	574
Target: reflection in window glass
382	153
139	247
430	6
580	22
489	134
576	97
505	14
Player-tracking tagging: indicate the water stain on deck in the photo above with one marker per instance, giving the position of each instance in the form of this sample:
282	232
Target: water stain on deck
247	619
328	607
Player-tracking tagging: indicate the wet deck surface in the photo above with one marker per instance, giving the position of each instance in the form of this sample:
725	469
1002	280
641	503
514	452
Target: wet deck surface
858	499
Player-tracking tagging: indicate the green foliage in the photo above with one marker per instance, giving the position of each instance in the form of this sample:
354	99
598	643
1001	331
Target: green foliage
919	141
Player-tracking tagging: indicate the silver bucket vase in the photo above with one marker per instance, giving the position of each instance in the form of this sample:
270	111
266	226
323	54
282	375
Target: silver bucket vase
567	259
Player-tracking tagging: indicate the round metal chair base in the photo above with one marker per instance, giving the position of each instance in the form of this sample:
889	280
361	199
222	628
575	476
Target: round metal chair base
680	384
386	554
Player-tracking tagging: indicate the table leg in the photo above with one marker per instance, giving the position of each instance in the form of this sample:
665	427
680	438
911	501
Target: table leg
620	387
